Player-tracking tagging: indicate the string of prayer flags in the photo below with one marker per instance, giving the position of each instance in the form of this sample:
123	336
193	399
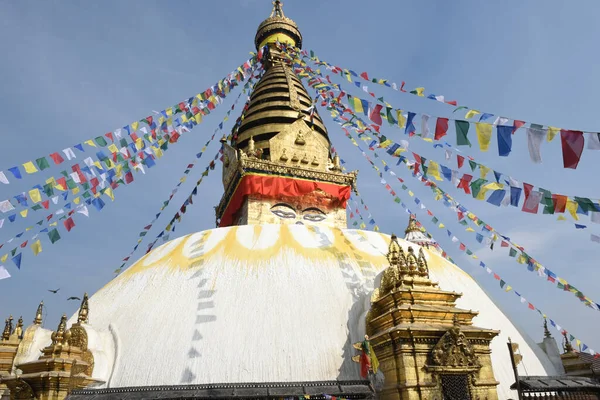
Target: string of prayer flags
484	134
524	258
572	140
248	86
185	112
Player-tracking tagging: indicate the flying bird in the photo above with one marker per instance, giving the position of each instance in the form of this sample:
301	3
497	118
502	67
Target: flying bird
54	291
73	298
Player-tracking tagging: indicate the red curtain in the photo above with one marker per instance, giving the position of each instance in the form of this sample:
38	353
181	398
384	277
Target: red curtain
272	186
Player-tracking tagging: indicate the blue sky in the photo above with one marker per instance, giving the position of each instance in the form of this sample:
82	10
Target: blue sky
72	71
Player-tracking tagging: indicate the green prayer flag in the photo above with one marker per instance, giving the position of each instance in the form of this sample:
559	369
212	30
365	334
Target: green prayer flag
469	252
434	220
123	143
464	222
101	141
476	186
502	283
462	128
397	199
560	286
585	204
571	337
42	163
547	201
512	252
86	195
71	184
36	207
49	190
473	165
85	185
54	236
390	117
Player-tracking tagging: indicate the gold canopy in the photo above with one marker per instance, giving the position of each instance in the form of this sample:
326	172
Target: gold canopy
278	27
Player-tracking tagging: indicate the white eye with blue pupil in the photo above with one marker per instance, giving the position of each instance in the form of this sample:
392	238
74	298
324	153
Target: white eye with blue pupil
314	217
284	214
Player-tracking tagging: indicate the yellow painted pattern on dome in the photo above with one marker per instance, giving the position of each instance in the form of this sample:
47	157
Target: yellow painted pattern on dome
328	244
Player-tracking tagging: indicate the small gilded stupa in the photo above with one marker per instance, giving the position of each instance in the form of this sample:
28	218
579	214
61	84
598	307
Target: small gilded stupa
271	302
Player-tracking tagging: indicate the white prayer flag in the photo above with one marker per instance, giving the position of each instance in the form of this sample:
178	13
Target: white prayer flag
6	206
69	153
535	137
595	217
424	125
595	238
1	222
448	154
593	141
3	273
3	178
55	200
500	121
83	210
89	162
75	177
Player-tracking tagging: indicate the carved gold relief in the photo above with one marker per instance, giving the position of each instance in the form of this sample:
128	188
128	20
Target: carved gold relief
454	350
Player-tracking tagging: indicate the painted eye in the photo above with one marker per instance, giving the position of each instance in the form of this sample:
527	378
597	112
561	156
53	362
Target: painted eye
314	217
284	214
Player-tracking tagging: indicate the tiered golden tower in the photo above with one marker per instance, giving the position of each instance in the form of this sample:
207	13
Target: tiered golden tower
427	348
278	167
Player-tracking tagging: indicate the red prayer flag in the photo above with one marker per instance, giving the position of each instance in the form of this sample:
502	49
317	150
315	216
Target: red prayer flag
46	204
110	136
364	76
463	247
452	102
62	182
496	277
464	183
572	147
24	244
560	203
531	306
516	125
441	127
460	160
504	244
56	158
69	224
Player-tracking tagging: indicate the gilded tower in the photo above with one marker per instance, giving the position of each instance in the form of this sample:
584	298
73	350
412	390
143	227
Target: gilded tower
427	347
277	166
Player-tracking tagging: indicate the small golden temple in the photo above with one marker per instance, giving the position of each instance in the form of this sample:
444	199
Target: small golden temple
282	299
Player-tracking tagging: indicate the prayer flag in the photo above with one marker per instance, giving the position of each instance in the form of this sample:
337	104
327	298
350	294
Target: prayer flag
56	158
532	202
410	127
535	137
504	134
441	128
30	168
17	260
572	147
484	135
69	224
3	273
54	236
15	171
375	115
462	129
36	247
593	141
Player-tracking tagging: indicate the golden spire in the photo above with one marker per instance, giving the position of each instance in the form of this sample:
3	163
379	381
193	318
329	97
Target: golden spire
422	263
277	9
393	251
59	335
38	314
84	310
278	27
19	328
546	331
566	343
7	328
412	225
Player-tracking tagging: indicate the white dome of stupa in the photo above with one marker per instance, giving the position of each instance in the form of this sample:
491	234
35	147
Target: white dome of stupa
264	303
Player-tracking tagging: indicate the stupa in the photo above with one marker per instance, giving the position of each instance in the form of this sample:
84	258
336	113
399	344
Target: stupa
270	303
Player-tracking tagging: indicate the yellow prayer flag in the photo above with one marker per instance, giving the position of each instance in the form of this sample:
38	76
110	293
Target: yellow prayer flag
400	118
183	179
434	170
420	91
28	228
572	208
508	288
552	131
494	186
483	170
36	247
97	164
53	223
442	225
4	257
108	191
24	212
358	105
119	170
561	280
561	218
30	168
112	148
184	118
469	229
75	190
484	135
77	200
90	143
411	194
135	125
471	114
35	195
482	193
521	259
169	111
139	144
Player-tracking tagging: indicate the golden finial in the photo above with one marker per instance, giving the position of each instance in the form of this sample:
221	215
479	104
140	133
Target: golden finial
84	310
566	343
59	335
546	331
251	149
412	225
336	163
38	314
393	251
422	263
277	9
411	259
7	328
19	328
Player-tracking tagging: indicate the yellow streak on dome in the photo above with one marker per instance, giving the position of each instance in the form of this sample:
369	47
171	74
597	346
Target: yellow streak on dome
230	248
278	37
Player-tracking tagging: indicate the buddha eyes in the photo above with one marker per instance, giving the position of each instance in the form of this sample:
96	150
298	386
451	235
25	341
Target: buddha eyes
284	214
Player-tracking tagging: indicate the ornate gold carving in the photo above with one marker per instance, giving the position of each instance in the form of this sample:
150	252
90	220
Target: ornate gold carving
422	264
304	159
20	390
295	158
283	156
84	310
300	139
19	329
454	350
315	162
38	314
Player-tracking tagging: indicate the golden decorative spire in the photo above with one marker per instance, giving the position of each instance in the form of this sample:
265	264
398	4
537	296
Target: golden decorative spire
58	336
38	314
422	263
7	328
84	310
546	331
278	27
411	260
19	328
393	251
566	343
412	225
